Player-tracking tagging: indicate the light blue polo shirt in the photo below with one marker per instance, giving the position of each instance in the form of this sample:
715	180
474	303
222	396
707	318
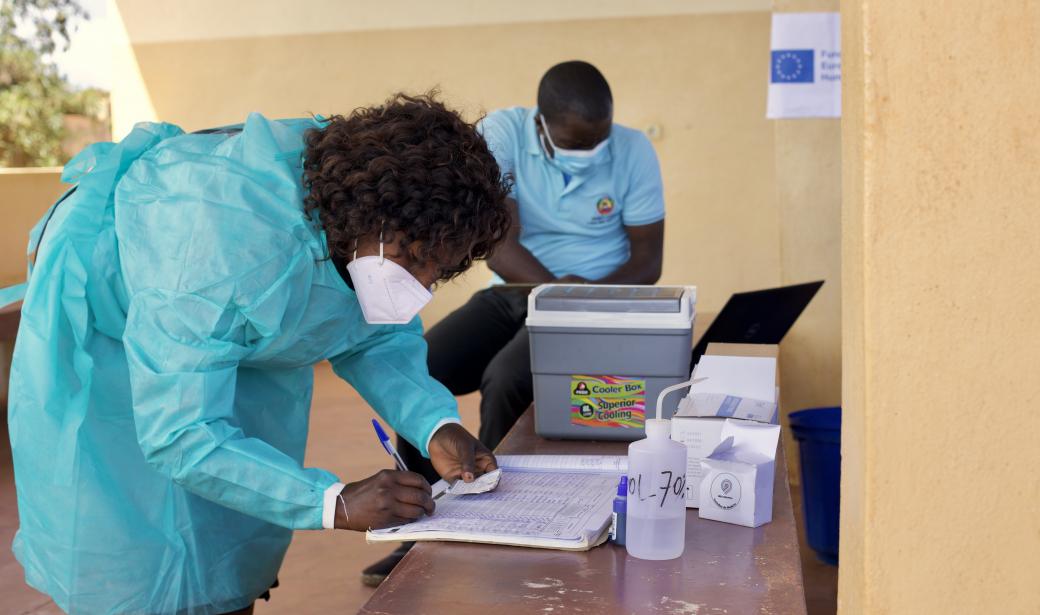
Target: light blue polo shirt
576	225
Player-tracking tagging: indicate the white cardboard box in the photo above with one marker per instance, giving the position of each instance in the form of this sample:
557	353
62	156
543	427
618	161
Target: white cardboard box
733	387
737	477
728	383
700	435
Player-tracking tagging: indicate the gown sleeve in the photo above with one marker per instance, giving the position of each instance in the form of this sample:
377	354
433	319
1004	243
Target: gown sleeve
183	352
214	264
389	371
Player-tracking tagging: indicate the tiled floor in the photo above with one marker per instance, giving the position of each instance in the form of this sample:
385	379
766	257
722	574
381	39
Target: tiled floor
321	570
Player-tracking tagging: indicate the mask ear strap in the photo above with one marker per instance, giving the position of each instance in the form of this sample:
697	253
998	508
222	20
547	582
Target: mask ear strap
381	259
546	135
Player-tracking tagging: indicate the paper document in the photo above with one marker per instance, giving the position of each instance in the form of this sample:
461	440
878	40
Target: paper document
549	501
482	484
614	464
735	387
728	406
747	377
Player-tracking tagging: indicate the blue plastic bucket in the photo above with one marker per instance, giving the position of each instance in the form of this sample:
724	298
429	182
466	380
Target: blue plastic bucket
818	432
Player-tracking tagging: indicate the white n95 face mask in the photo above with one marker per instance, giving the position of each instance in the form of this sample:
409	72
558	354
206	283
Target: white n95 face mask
388	294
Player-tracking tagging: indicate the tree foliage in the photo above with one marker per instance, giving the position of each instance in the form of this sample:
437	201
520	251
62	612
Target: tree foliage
34	97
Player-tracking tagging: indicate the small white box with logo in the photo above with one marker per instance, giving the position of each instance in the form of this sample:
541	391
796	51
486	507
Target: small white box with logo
724	388
737	477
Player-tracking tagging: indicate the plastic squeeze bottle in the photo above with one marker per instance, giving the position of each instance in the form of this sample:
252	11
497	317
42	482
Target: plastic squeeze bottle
657	491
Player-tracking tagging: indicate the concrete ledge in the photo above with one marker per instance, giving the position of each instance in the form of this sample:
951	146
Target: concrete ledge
25	195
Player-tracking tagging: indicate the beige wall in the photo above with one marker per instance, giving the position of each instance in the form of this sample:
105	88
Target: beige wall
190	20
940	483
130	100
25	195
701	78
751	203
808	200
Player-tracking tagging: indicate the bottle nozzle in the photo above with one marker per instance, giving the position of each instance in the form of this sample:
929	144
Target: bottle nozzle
666	391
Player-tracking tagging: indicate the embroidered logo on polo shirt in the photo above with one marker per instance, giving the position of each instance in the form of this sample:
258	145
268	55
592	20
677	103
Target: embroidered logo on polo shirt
605	206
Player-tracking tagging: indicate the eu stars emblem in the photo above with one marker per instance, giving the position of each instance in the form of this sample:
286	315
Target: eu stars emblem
792	66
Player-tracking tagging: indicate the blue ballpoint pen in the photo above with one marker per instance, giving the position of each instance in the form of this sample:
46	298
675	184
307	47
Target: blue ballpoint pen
385	441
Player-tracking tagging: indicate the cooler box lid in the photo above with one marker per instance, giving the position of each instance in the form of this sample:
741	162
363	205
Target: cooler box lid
610	306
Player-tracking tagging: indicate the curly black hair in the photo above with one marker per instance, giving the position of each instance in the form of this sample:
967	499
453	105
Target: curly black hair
413	170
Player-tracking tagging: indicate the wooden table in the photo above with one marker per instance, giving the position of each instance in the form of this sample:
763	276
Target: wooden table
725	568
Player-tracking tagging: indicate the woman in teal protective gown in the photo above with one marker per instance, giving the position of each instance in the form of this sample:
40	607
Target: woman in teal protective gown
179	295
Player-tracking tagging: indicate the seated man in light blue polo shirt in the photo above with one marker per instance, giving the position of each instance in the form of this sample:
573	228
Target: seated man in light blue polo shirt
588	206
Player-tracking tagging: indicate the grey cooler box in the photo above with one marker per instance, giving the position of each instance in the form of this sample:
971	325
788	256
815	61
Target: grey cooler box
601	355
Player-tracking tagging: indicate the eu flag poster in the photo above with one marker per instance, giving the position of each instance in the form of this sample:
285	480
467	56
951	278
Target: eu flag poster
805	66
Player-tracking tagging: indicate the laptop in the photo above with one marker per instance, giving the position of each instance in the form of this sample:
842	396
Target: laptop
757	317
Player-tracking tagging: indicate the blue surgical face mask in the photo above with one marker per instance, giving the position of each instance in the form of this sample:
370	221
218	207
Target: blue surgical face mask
574	161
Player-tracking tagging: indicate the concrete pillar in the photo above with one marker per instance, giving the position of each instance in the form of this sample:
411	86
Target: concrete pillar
941	307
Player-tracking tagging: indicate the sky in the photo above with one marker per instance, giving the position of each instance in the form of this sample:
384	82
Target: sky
88	62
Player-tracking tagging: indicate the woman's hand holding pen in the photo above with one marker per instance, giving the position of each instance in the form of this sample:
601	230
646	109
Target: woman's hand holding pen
385	499
395	497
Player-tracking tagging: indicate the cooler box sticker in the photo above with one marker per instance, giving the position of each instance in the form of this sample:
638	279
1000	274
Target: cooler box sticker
608	401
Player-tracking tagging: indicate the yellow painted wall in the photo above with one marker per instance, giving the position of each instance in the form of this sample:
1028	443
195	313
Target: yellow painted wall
940	484
130	100
808	200
25	195
185	20
700	77
751	203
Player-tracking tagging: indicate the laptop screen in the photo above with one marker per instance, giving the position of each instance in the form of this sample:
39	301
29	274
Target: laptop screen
757	317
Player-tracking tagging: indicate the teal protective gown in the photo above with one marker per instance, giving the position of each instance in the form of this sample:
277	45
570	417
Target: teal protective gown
162	373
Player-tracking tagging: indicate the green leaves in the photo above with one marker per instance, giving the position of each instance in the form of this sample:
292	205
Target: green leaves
33	96
40	25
